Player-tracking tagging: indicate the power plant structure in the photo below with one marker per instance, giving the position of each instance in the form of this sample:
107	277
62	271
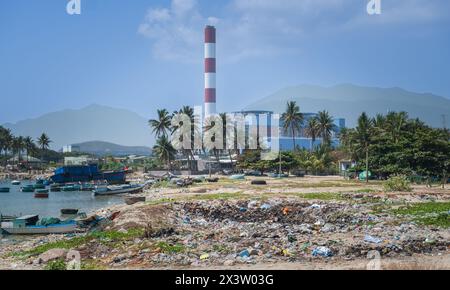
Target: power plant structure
210	71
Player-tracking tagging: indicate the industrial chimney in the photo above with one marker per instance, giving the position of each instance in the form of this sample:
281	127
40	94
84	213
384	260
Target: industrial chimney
210	70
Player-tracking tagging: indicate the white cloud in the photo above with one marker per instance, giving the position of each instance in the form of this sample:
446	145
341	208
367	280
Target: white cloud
254	28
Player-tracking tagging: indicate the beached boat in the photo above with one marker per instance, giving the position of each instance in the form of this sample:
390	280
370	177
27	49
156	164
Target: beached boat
15	182
62	228
120	189
4	189
237	177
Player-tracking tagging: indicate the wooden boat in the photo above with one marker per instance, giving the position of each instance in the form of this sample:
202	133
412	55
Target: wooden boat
15	182
4	189
69	211
114	190
71	188
63	228
39	186
237	177
27	188
41	195
55	188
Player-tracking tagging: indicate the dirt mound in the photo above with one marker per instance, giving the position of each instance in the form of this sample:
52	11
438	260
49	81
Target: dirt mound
154	216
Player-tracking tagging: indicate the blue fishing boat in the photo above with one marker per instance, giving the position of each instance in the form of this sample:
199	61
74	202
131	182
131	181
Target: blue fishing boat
87	173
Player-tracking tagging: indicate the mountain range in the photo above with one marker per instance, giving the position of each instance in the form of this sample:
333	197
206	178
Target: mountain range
101	148
348	101
94	122
124	127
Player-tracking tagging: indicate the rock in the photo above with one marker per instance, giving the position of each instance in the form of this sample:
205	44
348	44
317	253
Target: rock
122	231
51	255
228	263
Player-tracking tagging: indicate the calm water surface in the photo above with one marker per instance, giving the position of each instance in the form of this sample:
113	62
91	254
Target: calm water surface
22	203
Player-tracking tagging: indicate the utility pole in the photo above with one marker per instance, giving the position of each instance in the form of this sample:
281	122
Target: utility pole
279	173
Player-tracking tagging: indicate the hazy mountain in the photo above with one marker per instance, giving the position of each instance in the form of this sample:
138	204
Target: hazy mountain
105	148
94	122
348	101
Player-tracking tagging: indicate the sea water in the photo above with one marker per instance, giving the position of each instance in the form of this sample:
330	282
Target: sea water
17	203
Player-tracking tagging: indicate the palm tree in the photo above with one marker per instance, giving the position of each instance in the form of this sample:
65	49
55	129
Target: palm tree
312	131
162	125
395	123
44	143
5	142
189	152
326	126
17	146
29	146
363	135
292	119
164	150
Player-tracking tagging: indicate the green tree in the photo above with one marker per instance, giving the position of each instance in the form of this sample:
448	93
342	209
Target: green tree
44	143
312	131
161	126
292	119
164	151
326	126
363	136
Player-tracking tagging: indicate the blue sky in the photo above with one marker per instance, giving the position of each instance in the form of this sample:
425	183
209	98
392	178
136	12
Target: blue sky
148	54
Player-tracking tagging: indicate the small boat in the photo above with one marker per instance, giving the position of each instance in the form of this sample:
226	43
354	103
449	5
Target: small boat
41	195
42	190
15	182
121	189
27	226
4	189
71	187
27	188
69	211
39	186
55	188
237	177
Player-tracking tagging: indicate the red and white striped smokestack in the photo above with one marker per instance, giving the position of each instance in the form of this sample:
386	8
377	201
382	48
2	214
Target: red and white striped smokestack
210	70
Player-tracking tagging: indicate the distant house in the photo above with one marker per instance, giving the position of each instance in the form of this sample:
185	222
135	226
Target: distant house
80	160
70	149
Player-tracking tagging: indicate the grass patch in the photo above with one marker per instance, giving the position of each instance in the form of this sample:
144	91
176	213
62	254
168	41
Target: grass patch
216	196
364	190
431	213
169	248
321	195
108	236
56	265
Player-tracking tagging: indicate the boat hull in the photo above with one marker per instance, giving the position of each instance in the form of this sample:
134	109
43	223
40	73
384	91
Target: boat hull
111	177
119	191
43	230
